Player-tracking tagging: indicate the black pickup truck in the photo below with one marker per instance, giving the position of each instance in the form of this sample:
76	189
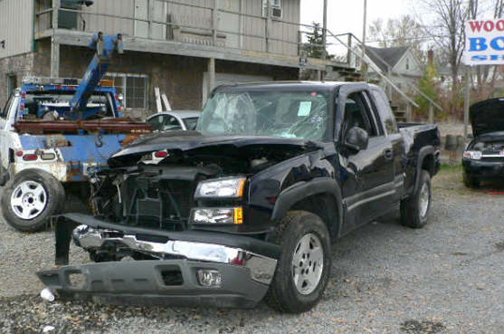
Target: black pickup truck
246	207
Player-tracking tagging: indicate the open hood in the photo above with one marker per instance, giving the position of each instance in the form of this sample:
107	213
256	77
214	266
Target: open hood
196	143
487	116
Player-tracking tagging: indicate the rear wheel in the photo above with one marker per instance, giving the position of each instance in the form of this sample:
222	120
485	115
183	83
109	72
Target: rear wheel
30	199
303	268
415	209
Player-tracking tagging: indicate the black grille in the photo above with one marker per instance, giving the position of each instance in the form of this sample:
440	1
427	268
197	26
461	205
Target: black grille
159	203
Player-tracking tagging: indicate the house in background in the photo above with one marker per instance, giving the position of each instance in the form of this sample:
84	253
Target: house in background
400	64
184	47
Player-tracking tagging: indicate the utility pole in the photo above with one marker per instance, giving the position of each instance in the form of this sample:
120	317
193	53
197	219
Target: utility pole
324	31
364	65
324	40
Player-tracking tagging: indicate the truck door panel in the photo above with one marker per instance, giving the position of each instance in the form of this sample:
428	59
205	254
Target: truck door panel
369	185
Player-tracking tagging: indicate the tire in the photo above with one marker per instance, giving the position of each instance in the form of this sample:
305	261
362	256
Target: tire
3	174
30	199
415	209
471	182
293	233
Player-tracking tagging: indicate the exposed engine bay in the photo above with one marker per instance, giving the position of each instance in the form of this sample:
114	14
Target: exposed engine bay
494	146
156	189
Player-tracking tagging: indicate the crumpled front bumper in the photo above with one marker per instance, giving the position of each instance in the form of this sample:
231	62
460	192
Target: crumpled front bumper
174	279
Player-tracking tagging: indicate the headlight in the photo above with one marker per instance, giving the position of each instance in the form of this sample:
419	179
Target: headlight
217	216
221	188
473	155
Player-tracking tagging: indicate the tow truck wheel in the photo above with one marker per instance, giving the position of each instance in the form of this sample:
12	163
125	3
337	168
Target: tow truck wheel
415	209
30	199
304	265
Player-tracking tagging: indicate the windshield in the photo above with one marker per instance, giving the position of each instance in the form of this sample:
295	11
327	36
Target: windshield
286	114
56	105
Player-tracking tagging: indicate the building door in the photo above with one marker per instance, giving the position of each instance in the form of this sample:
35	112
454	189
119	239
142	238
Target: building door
230	22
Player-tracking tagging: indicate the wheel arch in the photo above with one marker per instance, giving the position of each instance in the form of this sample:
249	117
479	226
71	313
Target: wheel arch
426	161
321	197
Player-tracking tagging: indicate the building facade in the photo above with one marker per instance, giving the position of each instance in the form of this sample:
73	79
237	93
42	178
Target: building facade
184	47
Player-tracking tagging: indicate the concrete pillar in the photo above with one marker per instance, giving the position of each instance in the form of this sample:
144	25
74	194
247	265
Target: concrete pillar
55	47
211	75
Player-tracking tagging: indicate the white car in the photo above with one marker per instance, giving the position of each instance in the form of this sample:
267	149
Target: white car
174	120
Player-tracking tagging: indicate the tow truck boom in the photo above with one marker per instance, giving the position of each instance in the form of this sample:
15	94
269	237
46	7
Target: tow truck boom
105	46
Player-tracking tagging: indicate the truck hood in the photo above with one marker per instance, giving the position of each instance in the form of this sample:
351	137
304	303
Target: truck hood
185	144
487	116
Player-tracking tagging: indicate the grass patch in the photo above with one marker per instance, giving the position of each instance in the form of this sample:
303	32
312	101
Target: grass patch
446	167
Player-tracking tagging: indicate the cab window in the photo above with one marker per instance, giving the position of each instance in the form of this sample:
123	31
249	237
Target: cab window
385	112
357	115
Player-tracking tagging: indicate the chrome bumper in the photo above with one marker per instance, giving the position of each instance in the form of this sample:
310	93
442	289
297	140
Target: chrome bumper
261	268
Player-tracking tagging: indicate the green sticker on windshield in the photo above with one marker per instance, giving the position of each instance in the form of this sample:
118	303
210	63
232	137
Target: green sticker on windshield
304	108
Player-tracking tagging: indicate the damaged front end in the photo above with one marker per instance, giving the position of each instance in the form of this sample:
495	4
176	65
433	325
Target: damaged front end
179	221
143	266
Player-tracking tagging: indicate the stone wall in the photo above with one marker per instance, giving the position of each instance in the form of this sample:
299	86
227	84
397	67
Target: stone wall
30	64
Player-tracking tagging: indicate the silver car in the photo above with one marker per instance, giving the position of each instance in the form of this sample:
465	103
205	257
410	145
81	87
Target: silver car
174	120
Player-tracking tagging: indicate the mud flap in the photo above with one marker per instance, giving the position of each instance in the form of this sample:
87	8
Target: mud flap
63	236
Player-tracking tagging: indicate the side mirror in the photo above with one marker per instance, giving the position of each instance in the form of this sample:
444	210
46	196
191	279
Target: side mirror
357	139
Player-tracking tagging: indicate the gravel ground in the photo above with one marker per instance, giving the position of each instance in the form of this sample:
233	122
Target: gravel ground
445	278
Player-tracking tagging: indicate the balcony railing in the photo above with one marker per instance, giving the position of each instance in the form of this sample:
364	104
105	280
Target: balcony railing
195	23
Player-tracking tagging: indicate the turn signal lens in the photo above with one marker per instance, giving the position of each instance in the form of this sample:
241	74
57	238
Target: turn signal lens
217	216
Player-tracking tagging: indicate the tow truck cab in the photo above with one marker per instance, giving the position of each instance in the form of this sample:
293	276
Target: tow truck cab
48	150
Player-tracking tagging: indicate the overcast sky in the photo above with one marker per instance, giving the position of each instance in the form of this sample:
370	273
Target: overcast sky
347	15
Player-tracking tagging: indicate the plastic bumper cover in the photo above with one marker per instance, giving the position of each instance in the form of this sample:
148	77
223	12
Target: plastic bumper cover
145	283
244	274
484	169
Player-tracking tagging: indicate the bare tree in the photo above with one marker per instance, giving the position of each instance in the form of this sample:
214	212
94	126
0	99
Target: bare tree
446	28
404	31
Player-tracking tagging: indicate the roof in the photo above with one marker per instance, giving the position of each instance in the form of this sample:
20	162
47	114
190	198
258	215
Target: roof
283	85
391	56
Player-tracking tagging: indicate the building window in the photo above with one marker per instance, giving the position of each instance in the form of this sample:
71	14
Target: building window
11	84
276	8
134	88
407	63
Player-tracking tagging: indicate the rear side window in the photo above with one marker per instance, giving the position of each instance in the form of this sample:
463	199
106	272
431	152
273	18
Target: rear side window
385	112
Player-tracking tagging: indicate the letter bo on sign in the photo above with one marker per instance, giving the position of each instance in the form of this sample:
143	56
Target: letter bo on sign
484	42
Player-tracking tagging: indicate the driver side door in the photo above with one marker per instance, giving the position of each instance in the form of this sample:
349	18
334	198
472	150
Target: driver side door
367	174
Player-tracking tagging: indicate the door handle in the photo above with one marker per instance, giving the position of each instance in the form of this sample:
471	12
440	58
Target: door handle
388	154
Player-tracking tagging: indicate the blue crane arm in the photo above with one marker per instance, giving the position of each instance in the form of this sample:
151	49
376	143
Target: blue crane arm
105	46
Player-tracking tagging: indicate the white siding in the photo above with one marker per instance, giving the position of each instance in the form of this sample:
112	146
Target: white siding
16	27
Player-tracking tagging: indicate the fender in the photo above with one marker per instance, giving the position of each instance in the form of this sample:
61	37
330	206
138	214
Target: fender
424	152
302	190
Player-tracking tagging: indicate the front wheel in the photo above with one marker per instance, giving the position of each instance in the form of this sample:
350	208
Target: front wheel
471	182
30	199
415	209
304	265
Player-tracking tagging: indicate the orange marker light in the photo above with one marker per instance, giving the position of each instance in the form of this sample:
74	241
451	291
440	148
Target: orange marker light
238	216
